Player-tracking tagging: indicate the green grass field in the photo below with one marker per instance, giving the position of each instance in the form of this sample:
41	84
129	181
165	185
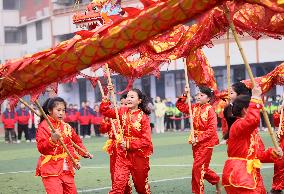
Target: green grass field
170	172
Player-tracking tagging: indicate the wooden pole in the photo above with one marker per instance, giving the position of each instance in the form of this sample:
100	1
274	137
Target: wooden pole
111	121
188	100
53	130
34	111
281	117
113	97
265	116
227	47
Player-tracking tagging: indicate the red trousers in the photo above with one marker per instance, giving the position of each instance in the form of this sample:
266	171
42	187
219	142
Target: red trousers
278	178
112	161
62	184
260	189
134	164
200	170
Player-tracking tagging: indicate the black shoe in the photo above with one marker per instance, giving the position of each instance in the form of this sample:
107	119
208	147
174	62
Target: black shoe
272	191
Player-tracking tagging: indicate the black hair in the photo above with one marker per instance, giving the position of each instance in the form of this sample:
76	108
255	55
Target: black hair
241	89
207	91
49	104
144	101
233	111
123	96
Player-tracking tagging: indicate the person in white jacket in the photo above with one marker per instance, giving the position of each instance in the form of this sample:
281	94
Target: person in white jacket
33	123
160	110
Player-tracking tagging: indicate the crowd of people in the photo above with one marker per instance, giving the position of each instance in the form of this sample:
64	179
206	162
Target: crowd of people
130	146
165	117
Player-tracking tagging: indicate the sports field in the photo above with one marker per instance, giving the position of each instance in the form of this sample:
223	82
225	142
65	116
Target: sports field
170	171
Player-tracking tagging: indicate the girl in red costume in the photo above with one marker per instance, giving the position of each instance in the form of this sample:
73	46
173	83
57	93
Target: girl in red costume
241	173
205	137
110	146
54	165
134	150
278	178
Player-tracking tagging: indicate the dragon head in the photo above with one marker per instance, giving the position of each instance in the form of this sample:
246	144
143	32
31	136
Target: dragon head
97	14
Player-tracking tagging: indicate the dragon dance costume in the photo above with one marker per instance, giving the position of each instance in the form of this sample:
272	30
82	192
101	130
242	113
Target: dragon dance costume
278	178
241	173
135	159
205	132
111	148
54	165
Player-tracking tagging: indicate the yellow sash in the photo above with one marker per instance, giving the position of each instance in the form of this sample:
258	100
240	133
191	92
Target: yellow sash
52	157
251	164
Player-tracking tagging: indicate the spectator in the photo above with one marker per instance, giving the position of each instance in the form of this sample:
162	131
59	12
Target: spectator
9	120
177	118
23	117
160	109
84	117
169	113
91	113
31	124
97	120
71	117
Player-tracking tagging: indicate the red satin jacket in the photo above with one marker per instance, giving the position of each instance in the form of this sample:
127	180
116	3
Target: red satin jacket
50	163
204	121
135	126
280	132
245	146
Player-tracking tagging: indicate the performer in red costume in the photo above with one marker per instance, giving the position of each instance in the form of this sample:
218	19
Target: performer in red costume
54	165
134	150
111	144
205	137
278	178
241	173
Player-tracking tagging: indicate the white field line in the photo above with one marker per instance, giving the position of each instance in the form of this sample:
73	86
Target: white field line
156	181
106	167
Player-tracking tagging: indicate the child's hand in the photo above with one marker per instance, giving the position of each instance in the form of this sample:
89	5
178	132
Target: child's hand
77	166
278	152
123	144
88	155
256	92
55	136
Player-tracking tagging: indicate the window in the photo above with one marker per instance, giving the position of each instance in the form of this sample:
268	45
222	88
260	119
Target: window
121	83
15	35
11	35
23	34
160	86
10	4
180	82
239	74
38	30
146	85
219	77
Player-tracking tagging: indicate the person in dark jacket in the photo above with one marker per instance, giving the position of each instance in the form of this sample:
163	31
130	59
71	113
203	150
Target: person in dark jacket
23	117
9	120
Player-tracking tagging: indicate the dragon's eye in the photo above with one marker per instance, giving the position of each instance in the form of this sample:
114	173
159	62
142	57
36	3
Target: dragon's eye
95	8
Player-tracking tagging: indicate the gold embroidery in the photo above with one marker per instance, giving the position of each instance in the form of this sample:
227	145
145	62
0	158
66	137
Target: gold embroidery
253	144
204	115
201	182
137	123
124	116
147	186
67	130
